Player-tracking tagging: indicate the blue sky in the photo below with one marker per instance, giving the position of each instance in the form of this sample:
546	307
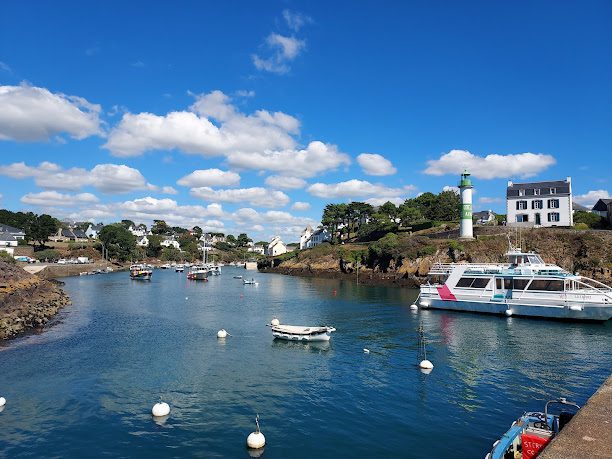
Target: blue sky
251	116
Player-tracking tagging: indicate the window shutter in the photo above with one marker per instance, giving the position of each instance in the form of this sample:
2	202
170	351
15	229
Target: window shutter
517	205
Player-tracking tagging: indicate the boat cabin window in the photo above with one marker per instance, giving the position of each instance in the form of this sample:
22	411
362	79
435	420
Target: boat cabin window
547	285
535	260
515	284
473	282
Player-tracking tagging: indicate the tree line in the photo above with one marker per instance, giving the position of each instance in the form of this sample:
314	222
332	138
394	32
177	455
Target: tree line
362	221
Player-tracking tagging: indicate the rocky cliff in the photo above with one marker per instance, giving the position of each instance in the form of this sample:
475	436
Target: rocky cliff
26	301
408	262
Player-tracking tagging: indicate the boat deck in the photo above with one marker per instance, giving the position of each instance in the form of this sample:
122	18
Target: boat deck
589	433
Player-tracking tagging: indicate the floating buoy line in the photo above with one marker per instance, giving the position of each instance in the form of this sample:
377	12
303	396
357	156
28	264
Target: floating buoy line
256	440
424	363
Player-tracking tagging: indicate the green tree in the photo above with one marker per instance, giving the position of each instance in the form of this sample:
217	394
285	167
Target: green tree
154	248
231	240
197	231
127	223
409	214
179	230
42	227
189	244
160	227
589	218
119	242
447	207
243	240
171	254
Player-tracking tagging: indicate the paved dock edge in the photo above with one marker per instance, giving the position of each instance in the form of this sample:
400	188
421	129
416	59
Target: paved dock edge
589	433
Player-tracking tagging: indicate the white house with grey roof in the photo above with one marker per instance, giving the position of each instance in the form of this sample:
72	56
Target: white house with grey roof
8	242
540	203
92	230
15	232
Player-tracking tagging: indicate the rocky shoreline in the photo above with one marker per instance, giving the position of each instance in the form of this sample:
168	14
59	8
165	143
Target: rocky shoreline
27	302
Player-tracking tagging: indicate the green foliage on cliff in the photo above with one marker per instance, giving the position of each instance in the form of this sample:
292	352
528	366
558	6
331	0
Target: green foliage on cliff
589	219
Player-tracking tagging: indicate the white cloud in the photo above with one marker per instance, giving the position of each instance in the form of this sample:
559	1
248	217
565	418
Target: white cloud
315	159
5	67
53	199
491	166
374	164
380	201
169	190
29	113
299	205
210	177
488	200
193	132
256	196
357	189
245	93
108	178
148	209
284	50
590	198
286	183
295	21
454	189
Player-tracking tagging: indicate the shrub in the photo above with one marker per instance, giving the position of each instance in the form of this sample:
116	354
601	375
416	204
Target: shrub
5	256
454	245
581	226
425	251
48	255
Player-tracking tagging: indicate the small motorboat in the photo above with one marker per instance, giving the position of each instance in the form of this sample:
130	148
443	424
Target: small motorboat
237	277
179	268
165	266
529	435
250	282
140	272
299	333
198	272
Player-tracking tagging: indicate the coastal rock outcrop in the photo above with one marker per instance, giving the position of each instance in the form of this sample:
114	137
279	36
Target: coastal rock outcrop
26	301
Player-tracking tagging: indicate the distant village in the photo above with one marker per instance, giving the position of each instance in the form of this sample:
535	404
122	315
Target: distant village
533	204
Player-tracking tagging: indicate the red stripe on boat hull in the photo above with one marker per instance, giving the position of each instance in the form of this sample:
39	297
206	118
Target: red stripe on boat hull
445	293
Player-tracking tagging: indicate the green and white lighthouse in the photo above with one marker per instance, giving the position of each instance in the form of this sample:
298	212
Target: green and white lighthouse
466	230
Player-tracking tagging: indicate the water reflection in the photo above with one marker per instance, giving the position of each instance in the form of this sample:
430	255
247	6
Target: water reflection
90	382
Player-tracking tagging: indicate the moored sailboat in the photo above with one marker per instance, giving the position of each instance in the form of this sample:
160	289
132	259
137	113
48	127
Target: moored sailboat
140	272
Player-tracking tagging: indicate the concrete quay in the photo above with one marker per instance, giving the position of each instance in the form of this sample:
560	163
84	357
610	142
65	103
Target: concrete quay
589	433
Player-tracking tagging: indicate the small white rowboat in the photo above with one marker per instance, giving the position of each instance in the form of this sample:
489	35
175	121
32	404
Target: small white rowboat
297	333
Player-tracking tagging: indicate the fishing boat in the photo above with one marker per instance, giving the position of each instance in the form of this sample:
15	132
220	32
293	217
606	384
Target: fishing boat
179	268
215	270
140	272
299	333
524	286
249	282
530	434
198	272
165	266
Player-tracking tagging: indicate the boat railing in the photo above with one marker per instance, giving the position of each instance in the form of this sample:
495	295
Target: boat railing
606	290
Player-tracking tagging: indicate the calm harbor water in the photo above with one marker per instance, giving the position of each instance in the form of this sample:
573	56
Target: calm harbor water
85	387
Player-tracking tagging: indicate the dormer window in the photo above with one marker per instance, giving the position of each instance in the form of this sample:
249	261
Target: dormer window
536	191
553	191
521	192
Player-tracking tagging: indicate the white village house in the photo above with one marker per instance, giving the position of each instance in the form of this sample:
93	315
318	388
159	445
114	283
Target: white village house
310	238
7	243
260	249
540	203
276	247
17	233
170	241
138	231
92	230
143	241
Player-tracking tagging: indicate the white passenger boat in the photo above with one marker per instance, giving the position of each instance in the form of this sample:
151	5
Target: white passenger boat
298	333
525	286
140	272
198	272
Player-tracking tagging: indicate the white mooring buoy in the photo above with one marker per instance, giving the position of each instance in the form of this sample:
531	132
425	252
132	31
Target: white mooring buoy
366	351
508	312
426	365
414	307
160	409
275	322
221	333
2	401
256	439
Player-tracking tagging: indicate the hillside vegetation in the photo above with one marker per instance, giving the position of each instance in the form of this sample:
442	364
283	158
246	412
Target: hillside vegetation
404	259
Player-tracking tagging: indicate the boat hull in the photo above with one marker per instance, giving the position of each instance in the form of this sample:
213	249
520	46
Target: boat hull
575	312
302	338
140	276
198	276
